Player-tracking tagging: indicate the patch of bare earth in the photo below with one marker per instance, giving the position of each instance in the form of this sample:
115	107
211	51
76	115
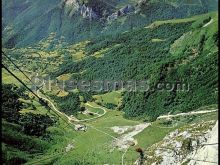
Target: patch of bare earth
127	135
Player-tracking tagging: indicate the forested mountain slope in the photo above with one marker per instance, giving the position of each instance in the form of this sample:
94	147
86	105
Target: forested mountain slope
24	131
27	22
154	41
172	51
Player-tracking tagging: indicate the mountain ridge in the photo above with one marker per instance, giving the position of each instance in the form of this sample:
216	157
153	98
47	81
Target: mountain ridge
78	20
156	42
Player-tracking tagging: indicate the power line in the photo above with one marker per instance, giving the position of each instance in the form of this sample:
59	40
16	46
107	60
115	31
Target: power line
57	112
16	66
88	125
20	81
40	99
19	69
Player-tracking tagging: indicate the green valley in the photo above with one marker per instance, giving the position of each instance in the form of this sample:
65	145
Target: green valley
162	57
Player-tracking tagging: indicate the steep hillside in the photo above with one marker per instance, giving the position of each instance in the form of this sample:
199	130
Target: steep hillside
174	51
107	126
167	51
121	82
186	145
193	60
24	131
27	22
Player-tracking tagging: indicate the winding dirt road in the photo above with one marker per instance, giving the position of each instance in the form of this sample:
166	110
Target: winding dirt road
104	110
126	137
72	119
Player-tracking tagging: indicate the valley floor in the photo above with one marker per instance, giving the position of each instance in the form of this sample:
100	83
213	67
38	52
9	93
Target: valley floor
111	139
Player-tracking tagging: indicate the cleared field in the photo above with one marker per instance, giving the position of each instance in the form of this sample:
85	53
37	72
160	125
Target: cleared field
64	77
197	19
8	79
95	145
85	116
95	110
112	97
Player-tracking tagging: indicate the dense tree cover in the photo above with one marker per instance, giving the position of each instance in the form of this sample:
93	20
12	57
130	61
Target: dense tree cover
172	52
150	11
69	104
10	103
199	72
35	124
22	134
150	54
25	29
109	105
87	96
169	11
154	54
130	55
